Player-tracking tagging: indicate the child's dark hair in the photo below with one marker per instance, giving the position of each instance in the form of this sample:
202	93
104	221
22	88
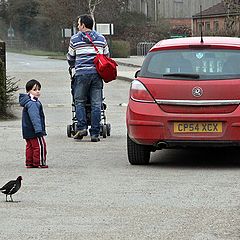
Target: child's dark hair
30	84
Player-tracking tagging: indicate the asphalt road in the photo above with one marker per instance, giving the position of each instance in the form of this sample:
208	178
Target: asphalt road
91	192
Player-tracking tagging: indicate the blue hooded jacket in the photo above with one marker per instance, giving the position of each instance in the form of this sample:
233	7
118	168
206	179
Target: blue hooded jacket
33	119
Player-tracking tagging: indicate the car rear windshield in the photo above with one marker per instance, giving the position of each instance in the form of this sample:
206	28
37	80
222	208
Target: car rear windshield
201	64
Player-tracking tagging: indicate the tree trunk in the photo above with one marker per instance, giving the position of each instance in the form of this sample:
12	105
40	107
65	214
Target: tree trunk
92	6
3	100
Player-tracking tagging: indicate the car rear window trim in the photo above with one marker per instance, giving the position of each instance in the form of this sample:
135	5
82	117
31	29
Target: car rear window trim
201	78
209	64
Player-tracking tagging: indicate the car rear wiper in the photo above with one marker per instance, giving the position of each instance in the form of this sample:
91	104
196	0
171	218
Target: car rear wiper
184	75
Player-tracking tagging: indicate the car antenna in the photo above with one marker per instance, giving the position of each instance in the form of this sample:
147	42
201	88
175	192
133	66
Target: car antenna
201	29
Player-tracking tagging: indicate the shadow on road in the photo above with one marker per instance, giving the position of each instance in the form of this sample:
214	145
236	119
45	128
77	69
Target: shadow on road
196	158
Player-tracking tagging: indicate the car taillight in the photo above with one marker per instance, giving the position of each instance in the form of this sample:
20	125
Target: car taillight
139	93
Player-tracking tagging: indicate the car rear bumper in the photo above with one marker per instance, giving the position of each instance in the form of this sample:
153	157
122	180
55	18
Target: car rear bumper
195	144
147	124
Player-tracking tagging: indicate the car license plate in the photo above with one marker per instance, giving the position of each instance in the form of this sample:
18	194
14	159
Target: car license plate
197	127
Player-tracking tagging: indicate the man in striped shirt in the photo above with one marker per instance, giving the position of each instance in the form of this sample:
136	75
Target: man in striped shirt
88	84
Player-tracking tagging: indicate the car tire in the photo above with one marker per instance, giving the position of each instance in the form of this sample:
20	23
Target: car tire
137	154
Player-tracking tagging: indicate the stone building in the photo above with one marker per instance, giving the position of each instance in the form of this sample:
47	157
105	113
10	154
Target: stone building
178	13
220	19
157	9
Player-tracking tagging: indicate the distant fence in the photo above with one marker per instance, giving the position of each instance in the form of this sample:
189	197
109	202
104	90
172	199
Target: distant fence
16	44
144	47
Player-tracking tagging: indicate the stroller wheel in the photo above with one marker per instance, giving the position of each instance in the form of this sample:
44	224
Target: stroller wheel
104	132
108	125
69	130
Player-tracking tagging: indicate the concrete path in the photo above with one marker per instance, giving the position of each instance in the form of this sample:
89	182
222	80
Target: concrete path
127	67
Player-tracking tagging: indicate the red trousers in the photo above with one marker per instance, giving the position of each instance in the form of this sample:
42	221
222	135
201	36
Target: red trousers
36	152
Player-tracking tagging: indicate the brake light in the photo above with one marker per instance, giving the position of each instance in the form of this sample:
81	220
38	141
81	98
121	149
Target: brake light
139	93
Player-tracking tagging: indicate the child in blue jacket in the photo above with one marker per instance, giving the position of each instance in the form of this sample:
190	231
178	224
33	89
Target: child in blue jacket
33	125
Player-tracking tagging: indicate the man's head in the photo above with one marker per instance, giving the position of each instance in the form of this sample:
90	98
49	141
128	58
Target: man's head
85	22
33	87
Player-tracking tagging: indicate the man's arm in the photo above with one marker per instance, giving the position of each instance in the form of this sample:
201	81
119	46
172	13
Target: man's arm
71	55
106	49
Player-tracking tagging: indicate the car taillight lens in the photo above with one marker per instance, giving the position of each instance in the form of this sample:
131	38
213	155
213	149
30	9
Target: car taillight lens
138	92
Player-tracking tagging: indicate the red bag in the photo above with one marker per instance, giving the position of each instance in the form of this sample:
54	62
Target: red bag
105	66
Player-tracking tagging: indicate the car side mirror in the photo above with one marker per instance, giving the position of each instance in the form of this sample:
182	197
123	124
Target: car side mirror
136	73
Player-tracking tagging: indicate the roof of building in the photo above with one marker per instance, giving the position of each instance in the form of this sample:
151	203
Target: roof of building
218	9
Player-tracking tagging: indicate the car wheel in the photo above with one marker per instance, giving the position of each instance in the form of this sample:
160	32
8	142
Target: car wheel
69	130
137	154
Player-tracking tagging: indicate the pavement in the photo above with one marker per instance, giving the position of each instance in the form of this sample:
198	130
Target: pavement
90	191
84	192
127	67
132	61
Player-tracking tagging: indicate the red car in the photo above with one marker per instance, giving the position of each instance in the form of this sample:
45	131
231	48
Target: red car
187	94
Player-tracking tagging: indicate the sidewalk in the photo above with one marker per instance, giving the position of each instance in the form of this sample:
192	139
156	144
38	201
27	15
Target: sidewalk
132	61
127	67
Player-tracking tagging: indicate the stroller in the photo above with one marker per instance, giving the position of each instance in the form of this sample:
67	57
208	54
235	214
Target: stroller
105	128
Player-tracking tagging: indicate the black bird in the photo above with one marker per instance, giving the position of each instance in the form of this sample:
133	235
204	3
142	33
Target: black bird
11	187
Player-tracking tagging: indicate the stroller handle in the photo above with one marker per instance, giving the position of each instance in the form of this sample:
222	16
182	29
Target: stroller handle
70	71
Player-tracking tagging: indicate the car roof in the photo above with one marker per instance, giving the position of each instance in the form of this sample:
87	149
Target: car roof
231	42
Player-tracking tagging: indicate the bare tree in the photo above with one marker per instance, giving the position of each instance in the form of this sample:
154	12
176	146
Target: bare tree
92	6
232	21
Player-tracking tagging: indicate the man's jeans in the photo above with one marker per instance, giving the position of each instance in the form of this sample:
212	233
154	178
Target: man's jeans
88	87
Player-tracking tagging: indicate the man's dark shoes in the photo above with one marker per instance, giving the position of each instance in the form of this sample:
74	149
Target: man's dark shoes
80	134
95	139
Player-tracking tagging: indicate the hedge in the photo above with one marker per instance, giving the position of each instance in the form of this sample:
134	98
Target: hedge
120	49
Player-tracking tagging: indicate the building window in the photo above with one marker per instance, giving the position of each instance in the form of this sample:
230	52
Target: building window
216	26
199	27
207	26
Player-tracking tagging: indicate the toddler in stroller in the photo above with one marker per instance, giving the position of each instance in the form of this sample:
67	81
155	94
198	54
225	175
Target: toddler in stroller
105	128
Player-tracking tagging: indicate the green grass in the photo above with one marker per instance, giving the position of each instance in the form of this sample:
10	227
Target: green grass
36	52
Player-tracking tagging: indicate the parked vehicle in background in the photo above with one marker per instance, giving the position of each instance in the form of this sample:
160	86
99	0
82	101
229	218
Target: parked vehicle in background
187	94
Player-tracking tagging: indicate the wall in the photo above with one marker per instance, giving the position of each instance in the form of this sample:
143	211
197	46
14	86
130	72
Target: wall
144	6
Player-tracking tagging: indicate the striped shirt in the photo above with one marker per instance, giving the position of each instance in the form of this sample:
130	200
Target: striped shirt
81	52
